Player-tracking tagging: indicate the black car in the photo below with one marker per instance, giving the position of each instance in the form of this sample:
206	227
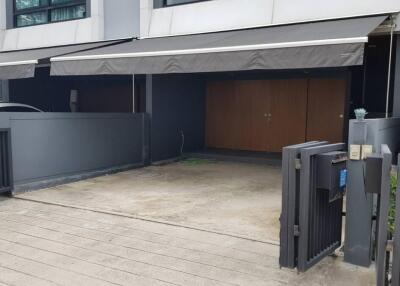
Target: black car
17	107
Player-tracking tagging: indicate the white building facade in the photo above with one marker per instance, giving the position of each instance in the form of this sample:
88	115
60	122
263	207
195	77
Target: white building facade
166	18
109	19
33	24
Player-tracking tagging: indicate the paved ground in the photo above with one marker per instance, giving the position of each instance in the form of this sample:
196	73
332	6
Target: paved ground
237	198
42	244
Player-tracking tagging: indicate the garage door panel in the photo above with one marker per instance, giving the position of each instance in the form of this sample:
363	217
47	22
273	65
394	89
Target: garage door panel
254	102
220	110
288	113
326	106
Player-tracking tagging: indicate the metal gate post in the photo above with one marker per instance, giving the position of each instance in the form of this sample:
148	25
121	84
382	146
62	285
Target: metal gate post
383	218
358	248
396	240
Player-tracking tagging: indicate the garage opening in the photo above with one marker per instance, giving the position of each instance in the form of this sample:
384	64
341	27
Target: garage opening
266	115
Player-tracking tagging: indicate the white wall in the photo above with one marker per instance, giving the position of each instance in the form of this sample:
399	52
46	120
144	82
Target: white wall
121	18
71	32
219	15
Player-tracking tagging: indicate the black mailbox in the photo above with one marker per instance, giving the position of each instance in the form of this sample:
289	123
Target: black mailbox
332	173
373	173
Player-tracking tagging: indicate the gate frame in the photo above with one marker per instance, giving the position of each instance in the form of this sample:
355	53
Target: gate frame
290	192
305	192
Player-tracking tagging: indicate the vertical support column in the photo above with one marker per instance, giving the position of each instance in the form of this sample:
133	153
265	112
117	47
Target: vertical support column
9	14
396	75
149	94
4	91
147	121
133	94
359	205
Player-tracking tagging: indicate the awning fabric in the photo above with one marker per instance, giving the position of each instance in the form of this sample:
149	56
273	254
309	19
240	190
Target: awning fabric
308	45
21	63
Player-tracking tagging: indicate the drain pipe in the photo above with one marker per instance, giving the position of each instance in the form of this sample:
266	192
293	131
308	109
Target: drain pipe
393	25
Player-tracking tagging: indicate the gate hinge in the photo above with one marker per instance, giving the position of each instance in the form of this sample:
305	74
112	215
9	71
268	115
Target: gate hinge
297	164
296	230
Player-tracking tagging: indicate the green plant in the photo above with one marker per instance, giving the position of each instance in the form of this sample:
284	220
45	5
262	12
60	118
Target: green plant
392	206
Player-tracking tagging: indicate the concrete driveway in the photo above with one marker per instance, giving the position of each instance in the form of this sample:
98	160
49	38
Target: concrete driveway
186	223
46	245
240	199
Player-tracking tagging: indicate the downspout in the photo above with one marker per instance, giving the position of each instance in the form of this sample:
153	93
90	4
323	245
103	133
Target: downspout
393	26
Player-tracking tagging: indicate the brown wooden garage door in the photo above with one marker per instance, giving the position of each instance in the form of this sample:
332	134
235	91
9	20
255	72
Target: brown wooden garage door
265	115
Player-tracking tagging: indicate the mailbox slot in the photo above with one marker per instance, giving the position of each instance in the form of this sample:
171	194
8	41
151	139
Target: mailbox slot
332	173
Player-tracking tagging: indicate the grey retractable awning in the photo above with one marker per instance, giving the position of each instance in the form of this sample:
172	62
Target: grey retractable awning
308	45
21	63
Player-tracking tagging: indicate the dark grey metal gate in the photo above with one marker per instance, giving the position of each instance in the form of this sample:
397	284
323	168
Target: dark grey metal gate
311	221
6	182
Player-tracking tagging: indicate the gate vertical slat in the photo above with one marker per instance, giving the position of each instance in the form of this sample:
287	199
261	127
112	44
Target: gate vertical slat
396	242
383	212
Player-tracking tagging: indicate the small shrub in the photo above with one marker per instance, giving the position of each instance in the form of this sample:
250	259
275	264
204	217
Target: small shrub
392	206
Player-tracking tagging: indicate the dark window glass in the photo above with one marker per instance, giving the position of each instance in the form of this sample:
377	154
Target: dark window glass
31	19
35	12
68	13
62	1
178	2
27	4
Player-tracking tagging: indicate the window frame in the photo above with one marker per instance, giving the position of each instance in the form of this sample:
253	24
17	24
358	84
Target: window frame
47	8
164	3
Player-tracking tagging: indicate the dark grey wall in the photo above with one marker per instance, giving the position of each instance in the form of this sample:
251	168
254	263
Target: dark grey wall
4	94
376	74
52	94
178	104
384	131
46	146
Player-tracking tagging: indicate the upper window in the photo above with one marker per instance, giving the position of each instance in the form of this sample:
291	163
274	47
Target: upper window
167	3
35	12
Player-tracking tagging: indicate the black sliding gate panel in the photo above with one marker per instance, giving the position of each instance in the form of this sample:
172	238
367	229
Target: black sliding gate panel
311	224
6	181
